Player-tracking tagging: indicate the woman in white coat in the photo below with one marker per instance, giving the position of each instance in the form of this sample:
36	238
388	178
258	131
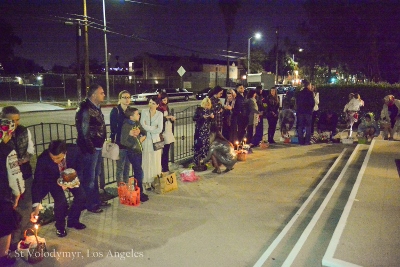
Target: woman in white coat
167	133
152	121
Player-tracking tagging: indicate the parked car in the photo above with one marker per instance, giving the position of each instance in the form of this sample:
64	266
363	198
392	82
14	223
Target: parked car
203	93
173	93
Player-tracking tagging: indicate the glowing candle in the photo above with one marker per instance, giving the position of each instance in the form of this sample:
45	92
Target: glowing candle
237	145
245	139
36	229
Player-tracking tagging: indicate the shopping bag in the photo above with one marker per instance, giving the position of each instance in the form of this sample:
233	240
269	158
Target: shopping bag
164	183
110	151
129	194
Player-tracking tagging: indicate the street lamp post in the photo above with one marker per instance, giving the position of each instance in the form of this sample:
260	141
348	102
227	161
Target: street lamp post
257	36
106	53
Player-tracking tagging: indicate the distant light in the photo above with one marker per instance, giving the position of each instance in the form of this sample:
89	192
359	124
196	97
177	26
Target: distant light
333	80
257	35
156	82
130	77
244	77
39	78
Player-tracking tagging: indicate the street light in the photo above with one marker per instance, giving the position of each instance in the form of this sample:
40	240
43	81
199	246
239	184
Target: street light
257	36
106	54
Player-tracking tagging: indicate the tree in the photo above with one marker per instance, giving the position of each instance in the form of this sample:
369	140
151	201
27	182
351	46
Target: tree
8	40
229	9
360	34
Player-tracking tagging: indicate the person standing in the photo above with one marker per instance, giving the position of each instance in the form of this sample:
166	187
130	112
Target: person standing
50	164
133	143
217	108
253	116
152	121
316	108
351	109
258	135
11	188
272	113
390	114
305	105
117	118
240	115
21	142
203	117
229	131
89	121
167	133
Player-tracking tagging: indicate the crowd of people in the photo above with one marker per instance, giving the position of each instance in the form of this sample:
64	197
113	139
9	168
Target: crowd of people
218	126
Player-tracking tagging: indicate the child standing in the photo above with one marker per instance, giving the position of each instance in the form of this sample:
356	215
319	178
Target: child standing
132	136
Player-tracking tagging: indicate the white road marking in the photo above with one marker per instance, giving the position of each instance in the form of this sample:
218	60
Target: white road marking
303	238
282	234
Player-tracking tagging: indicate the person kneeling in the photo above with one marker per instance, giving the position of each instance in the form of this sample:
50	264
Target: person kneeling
368	127
49	168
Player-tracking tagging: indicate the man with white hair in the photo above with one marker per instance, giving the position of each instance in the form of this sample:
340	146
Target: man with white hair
390	115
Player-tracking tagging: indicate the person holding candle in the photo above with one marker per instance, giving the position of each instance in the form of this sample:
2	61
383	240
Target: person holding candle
272	113
11	187
229	130
50	164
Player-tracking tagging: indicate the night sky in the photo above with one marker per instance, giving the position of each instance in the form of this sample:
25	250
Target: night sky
163	26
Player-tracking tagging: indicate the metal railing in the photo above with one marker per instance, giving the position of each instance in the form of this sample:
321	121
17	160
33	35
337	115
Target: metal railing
44	133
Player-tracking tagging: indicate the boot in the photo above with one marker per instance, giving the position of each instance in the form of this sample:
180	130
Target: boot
271	139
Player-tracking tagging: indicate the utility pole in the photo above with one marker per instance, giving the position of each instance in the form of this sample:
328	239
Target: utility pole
78	62
228	42
277	53
87	71
106	53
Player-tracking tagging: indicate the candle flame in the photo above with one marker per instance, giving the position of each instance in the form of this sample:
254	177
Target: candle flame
36	226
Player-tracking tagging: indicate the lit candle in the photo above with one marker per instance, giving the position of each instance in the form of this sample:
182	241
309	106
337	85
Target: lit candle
237	145
245	139
36	229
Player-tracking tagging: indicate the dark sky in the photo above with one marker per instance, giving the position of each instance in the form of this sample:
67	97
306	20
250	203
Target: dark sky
193	25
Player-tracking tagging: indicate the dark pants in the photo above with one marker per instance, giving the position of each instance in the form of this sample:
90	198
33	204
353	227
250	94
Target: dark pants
61	205
250	134
165	158
272	121
136	160
314	117
304	124
241	122
90	180
24	208
258	135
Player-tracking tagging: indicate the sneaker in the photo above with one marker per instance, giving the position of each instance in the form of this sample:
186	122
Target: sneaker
143	198
105	204
61	232
78	225
95	210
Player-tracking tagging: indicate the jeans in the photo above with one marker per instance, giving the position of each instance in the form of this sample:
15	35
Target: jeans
123	166
304	124
136	161
90	180
165	158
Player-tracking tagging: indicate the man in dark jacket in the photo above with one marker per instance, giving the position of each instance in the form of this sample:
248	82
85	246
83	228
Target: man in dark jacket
240	114
91	129
49	166
21	142
305	105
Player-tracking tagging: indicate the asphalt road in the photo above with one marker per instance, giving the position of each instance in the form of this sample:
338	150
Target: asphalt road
67	116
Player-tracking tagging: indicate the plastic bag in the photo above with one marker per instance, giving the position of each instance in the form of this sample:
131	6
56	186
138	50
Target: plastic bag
188	176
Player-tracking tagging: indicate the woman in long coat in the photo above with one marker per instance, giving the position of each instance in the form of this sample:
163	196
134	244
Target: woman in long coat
272	113
203	118
152	121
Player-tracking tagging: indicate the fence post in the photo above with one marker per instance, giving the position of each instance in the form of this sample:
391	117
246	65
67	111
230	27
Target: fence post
102	175
172	150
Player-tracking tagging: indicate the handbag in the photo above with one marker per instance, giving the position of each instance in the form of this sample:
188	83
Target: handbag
165	183
159	144
110	151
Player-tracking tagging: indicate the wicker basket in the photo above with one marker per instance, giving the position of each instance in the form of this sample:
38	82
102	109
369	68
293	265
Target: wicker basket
241	156
264	145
